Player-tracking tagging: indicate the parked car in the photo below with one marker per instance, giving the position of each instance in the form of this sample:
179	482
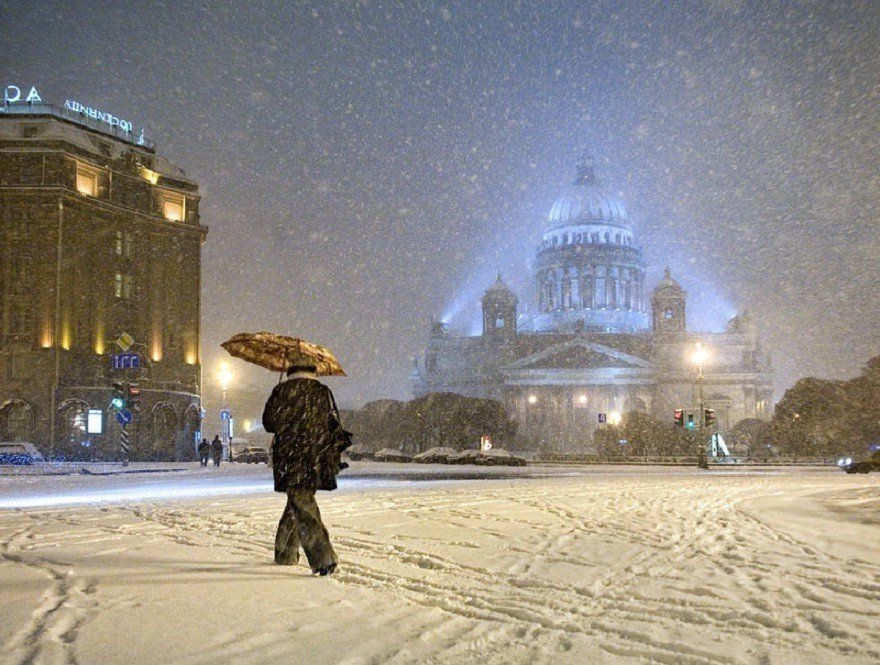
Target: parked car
252	455
392	455
860	465
494	457
436	455
19	453
358	452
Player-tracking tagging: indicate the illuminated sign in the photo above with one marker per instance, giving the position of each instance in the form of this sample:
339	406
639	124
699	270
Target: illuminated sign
12	94
18	95
95	422
100	116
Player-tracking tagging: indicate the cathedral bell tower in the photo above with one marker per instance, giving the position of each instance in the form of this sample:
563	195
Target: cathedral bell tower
668	306
499	312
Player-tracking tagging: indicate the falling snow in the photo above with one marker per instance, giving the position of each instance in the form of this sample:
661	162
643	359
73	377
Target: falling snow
368	166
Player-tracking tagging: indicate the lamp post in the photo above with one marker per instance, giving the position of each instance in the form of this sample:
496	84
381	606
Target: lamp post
700	356
225	378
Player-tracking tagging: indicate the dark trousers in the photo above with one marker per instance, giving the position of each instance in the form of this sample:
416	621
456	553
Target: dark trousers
204	460
301	526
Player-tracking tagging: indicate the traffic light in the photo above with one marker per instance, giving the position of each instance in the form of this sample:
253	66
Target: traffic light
134	397
678	416
709	416
690	421
117	400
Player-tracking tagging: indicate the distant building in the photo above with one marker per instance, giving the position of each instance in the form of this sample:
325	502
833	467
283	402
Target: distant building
599	345
99	236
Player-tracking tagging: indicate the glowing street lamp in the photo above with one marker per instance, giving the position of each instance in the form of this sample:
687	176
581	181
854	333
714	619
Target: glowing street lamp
700	357
225	378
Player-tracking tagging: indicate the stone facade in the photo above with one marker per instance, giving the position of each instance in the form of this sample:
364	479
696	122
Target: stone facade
100	236
593	348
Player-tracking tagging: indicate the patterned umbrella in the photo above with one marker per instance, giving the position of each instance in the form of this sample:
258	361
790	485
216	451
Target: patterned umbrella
279	353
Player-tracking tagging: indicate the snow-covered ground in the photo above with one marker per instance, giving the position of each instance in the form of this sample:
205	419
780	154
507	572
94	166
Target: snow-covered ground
607	565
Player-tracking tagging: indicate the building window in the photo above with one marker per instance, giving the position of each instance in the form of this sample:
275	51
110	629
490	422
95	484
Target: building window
123	244
19	319
86	180
122	286
18	272
172	207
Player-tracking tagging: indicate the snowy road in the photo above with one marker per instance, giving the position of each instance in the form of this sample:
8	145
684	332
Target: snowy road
613	565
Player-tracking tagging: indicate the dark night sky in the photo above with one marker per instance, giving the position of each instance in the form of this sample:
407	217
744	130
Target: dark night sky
365	166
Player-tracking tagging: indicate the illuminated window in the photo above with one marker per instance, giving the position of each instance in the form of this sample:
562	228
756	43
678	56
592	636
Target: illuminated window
122	286
172	207
86	180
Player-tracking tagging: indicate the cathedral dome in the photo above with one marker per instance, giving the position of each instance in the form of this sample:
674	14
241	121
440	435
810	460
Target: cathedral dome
587	205
586	202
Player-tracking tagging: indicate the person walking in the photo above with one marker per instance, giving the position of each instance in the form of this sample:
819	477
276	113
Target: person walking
217	450
204	450
306	449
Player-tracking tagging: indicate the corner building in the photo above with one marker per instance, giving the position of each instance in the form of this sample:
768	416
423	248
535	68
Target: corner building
599	343
100	236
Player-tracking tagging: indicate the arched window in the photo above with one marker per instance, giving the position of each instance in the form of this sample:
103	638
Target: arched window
192	426
157	438
607	237
73	441
16	421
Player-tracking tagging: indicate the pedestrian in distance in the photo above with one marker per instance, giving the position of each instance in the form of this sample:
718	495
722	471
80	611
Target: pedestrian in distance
204	451
306	456
217	450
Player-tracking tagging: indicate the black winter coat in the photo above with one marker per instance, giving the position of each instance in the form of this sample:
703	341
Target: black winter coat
302	415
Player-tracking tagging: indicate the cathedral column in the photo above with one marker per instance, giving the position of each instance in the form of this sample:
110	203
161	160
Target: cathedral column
576	288
557	291
610	288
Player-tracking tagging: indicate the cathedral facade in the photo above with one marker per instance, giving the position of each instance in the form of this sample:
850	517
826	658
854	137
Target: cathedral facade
600	345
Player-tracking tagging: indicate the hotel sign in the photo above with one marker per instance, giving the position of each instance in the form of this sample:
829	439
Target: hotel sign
13	94
100	116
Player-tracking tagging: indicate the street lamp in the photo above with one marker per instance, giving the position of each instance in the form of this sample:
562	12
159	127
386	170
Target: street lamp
224	375
699	357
